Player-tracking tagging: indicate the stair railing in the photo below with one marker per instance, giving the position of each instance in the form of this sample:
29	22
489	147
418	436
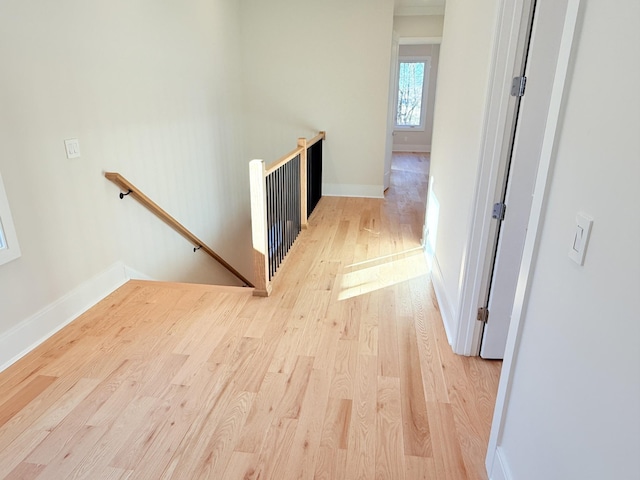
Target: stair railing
282	199
154	208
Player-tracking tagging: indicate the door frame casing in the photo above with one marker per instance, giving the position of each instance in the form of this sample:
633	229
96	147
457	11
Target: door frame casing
393	87
391	102
506	62
495	462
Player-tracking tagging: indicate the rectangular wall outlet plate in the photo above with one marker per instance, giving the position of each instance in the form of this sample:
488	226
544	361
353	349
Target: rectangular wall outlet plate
581	238
72	146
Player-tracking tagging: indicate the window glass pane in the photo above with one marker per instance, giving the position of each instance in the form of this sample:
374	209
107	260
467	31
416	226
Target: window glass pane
410	83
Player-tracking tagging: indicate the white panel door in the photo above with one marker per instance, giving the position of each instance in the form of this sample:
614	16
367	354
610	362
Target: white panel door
541	65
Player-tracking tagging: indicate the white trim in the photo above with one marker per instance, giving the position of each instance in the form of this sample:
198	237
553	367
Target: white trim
500	468
547	157
420	41
132	274
410	11
412	148
31	332
446	310
11	249
500	111
352	190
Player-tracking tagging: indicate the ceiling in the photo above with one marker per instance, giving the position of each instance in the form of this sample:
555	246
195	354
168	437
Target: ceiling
419	7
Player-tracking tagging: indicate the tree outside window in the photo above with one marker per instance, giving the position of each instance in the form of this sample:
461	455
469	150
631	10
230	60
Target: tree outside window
412	77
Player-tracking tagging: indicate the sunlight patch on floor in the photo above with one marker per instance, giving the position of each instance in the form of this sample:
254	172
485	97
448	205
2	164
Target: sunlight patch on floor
371	275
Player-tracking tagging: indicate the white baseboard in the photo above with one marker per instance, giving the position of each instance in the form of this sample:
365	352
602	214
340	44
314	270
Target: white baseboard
500	470
446	311
350	190
132	274
412	148
31	332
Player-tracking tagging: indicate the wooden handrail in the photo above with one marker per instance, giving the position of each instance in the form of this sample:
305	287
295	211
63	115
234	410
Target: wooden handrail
294	153
154	208
321	136
281	161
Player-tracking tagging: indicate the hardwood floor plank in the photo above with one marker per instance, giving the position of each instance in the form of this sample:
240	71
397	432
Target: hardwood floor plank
417	438
295	389
275	451
46	412
390	459
208	409
214	459
262	413
388	354
147	452
420	468
368	339
448	460
302	455
62	435
25	470
344	369
337	419
361	456
241	466
18	450
433	376
327	346
126	424
75	449
22	397
328	465
285	357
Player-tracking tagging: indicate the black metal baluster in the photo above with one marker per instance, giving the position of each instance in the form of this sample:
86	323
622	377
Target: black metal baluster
281	215
285	193
270	224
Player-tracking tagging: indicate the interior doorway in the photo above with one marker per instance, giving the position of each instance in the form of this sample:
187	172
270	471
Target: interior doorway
520	174
532	125
413	136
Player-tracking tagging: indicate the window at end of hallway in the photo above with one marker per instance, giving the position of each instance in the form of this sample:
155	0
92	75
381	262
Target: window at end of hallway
9	248
410	96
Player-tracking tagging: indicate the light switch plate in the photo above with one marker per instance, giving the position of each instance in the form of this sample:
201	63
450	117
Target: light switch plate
580	238
72	146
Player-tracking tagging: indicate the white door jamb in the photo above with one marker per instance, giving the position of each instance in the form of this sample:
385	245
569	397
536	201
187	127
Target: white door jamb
547	156
509	39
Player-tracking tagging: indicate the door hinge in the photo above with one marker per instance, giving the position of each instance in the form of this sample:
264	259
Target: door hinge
518	85
483	314
499	209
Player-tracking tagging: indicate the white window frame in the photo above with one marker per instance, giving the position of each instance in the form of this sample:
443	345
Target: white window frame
9	247
425	89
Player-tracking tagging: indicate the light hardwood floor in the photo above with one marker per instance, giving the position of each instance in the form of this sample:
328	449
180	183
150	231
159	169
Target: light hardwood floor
343	373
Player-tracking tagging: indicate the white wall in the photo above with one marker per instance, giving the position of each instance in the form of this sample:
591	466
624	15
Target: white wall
418	25
572	409
458	127
313	66
152	90
420	141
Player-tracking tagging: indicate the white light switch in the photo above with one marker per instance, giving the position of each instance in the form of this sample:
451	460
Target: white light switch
580	238
72	146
